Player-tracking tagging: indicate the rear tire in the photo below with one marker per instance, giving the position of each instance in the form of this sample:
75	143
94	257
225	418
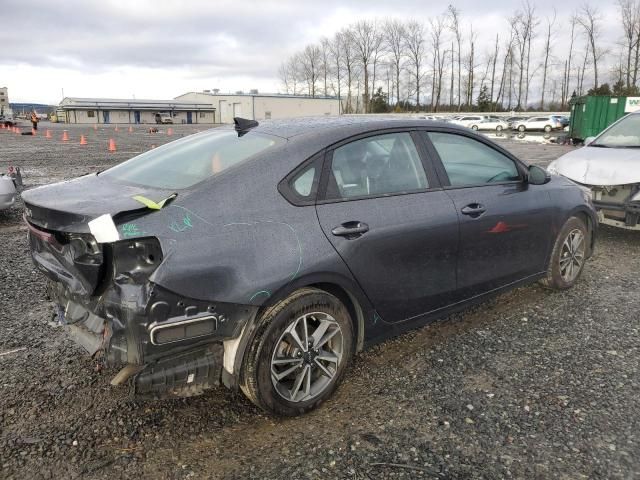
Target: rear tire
474	127
300	353
522	128
568	256
547	129
499	128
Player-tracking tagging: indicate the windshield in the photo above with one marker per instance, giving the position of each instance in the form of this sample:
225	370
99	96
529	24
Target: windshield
624	134
185	162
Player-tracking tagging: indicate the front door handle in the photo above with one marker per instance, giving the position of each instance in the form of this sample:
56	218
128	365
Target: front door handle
350	229
474	210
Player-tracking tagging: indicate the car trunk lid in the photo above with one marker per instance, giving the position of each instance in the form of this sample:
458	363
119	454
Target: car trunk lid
57	215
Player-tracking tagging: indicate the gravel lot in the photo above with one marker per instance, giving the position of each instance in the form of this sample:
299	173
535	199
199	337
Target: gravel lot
534	384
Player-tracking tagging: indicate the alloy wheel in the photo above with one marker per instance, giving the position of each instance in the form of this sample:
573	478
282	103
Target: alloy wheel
572	255
307	357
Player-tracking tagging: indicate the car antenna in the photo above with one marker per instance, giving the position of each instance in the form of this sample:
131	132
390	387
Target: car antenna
243	125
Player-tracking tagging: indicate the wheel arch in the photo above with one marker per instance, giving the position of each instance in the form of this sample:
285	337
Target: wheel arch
343	289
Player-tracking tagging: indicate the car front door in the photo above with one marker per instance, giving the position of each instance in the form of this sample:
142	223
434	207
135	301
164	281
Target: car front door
505	222
386	215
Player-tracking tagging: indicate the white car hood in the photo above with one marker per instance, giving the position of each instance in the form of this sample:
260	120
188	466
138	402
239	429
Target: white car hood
600	166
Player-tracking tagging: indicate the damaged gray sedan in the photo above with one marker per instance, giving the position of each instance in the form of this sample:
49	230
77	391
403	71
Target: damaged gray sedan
264	256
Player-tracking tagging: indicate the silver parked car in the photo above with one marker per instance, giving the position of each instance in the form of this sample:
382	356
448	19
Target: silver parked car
609	165
7	192
545	123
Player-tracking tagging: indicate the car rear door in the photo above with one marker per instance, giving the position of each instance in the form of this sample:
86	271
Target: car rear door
386	215
505	223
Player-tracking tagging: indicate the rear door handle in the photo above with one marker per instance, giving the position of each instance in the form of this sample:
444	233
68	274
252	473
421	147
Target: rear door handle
350	229
473	210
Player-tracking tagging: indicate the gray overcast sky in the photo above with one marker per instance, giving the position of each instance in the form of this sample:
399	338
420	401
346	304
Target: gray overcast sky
163	48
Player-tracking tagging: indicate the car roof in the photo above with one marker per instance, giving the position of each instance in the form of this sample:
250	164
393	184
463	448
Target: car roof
337	127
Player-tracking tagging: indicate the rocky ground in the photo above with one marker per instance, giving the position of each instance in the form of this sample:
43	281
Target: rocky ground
534	384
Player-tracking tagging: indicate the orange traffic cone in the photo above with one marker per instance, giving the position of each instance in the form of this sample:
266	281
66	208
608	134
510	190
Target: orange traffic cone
83	141
47	134
130	129
170	131
112	145
65	136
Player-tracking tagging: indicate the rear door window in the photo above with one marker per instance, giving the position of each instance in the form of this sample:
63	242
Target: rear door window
470	162
374	166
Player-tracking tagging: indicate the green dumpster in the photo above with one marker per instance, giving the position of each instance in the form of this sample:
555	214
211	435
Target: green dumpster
590	115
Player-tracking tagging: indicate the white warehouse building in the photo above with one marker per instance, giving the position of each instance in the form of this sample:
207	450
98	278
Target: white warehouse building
111	110
256	106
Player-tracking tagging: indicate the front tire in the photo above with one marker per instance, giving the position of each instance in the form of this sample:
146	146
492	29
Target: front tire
568	256
499	128
474	127
522	128
300	353
547	128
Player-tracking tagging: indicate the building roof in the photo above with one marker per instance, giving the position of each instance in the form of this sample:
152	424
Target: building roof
75	103
268	95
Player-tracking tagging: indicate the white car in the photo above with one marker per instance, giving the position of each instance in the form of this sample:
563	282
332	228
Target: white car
609	165
546	124
481	122
7	192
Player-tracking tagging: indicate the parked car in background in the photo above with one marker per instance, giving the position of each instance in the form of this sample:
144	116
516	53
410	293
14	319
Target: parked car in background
7	192
265	256
491	123
467	120
513	120
545	123
163	118
564	121
481	122
609	165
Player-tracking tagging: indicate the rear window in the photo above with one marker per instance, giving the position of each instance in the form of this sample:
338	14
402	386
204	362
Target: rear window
188	161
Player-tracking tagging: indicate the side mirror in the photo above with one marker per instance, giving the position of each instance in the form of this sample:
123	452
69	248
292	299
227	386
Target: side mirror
538	175
588	140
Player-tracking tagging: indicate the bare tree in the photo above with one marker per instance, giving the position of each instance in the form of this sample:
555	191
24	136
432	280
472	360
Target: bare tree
437	39
470	67
589	19
346	43
289	73
364	38
325	66
630	16
567	82
415	44
454	25
310	63
335	54
547	52
494	60
523	24
377	51
394	41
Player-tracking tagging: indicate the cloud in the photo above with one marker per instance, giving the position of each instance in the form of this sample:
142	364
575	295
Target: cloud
88	44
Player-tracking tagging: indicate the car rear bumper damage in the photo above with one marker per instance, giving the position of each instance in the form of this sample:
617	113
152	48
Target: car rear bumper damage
166	344
615	206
